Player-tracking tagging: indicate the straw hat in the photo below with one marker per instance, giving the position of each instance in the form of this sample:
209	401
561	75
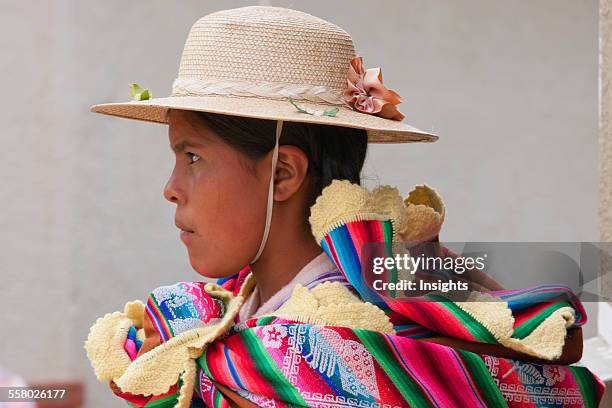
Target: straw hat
279	64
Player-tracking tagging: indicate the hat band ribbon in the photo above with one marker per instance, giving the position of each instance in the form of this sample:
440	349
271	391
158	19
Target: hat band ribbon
261	89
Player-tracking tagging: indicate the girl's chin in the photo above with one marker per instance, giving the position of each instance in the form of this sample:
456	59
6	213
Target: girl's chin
209	271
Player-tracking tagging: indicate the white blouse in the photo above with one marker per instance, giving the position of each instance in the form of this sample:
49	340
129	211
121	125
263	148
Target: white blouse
318	270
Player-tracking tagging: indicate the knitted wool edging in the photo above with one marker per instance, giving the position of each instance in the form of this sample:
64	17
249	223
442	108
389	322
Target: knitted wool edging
251	357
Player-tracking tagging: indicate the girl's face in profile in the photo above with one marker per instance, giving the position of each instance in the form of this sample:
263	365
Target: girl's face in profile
220	197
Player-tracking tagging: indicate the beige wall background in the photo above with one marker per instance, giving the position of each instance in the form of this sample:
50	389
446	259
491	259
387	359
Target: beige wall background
511	87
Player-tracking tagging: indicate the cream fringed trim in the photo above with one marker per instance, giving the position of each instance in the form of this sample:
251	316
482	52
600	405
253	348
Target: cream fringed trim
155	371
425	212
330	303
343	201
546	341
104	344
186	391
418	218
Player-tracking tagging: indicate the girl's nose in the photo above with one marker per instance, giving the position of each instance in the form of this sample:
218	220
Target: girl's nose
172	191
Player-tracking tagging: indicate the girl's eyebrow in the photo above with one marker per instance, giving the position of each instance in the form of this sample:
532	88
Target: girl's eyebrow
182	145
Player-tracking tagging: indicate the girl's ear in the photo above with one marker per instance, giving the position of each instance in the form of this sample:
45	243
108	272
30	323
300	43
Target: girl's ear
291	169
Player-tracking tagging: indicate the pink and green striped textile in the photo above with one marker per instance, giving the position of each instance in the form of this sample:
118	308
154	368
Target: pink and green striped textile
274	362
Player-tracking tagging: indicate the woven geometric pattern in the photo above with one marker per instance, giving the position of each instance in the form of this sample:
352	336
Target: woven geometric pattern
249	61
268	44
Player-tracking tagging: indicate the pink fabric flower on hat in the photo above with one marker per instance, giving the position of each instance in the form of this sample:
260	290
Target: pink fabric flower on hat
366	93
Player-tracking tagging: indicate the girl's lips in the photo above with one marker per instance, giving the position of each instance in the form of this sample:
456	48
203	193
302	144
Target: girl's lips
182	227
186	236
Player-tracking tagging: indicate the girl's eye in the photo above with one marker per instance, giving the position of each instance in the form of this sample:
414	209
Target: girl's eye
192	157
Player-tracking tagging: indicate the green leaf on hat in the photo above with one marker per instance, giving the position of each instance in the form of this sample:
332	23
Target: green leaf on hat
139	94
328	112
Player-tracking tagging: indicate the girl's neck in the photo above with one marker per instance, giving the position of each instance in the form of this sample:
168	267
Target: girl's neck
282	259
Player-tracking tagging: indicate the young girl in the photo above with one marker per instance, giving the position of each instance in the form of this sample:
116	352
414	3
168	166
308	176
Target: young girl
220	188
269	120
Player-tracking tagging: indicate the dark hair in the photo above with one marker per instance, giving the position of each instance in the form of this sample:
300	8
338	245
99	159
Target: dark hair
333	152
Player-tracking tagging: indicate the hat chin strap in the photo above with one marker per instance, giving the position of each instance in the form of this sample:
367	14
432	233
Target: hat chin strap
262	245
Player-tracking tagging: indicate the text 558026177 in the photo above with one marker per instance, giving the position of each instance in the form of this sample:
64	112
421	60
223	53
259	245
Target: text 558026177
14	394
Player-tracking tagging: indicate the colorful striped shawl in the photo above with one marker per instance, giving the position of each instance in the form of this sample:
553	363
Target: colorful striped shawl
276	362
529	306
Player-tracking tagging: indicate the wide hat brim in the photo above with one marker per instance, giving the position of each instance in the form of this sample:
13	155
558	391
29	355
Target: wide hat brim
379	130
